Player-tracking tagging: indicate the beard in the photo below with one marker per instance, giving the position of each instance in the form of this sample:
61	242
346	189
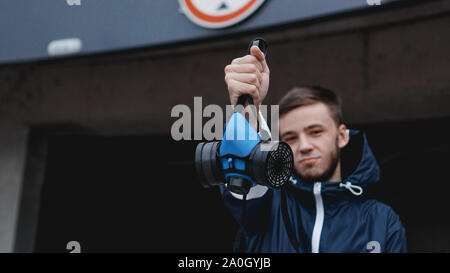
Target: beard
329	170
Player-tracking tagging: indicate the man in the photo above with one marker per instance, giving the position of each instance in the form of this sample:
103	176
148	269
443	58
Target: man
321	208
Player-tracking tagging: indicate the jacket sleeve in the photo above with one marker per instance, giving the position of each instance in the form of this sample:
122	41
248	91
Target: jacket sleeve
396	234
256	198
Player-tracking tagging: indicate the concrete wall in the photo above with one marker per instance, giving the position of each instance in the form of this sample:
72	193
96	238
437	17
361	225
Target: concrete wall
388	64
13	140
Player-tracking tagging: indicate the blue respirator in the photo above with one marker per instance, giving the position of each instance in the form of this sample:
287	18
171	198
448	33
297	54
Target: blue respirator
242	159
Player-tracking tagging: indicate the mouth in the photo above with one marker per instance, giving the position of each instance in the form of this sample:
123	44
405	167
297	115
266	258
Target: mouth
308	160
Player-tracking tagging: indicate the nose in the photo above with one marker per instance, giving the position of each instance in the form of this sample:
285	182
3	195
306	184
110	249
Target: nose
304	146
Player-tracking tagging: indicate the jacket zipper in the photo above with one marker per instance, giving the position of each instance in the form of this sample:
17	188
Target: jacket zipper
315	242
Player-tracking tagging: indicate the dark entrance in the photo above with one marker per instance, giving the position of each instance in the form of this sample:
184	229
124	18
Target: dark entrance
136	193
139	193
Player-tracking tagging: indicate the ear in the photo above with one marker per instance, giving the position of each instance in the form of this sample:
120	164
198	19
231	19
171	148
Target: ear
343	137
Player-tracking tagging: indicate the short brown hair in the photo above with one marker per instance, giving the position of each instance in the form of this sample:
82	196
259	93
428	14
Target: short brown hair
307	95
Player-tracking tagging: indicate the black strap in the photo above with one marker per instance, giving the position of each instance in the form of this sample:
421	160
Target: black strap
237	247
287	221
243	99
247	98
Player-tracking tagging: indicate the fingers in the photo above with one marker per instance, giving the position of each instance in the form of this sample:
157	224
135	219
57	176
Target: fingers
242	68
248	78
248	75
249	59
241	88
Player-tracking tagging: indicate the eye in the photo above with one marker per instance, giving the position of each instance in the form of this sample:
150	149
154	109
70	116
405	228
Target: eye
290	138
316	132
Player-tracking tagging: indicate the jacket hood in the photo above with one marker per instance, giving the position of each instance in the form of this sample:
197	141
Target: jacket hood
359	169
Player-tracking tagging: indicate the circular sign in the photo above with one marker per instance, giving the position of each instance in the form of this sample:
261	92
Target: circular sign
218	13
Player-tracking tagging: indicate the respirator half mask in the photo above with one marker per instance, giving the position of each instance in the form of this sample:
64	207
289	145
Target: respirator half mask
242	159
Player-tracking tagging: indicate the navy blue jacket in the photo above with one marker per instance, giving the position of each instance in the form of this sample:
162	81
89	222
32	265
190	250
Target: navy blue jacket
325	216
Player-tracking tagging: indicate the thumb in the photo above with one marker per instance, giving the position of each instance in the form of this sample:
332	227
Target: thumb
255	51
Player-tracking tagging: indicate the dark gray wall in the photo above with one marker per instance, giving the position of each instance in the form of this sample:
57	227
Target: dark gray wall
27	27
389	65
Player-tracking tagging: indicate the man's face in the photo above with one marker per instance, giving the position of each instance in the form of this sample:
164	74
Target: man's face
315	141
